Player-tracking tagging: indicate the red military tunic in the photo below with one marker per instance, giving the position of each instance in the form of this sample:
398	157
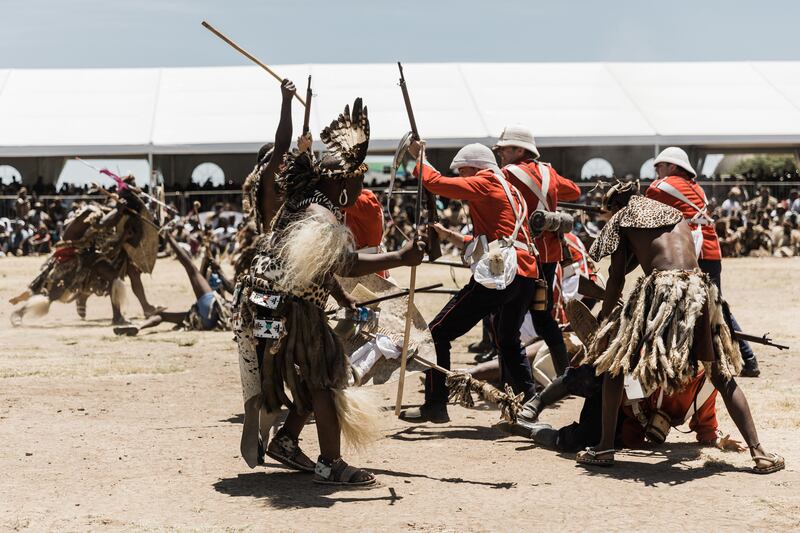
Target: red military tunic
560	188
677	406
580	256
488	207
694	193
365	220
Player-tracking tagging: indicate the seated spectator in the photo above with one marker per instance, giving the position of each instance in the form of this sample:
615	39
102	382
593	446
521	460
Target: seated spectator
40	242
19	240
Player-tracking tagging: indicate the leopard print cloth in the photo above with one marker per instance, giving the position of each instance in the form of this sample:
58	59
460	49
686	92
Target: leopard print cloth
266	269
641	213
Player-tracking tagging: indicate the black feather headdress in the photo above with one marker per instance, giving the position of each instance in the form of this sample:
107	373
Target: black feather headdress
347	140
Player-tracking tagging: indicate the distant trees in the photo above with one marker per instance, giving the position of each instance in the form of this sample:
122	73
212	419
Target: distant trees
766	165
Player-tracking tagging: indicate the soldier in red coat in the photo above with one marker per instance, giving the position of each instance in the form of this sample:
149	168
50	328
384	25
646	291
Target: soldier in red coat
542	187
676	187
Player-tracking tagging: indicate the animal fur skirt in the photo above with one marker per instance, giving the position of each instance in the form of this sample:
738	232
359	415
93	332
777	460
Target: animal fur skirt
672	320
308	355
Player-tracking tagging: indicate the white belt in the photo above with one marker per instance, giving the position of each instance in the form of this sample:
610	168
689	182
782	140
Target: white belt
368	250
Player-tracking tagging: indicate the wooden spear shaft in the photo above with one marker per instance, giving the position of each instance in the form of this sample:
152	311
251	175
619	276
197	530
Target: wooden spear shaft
411	286
246	54
404	353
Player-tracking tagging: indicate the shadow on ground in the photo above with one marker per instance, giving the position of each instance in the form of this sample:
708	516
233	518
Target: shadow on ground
425	432
295	490
671	470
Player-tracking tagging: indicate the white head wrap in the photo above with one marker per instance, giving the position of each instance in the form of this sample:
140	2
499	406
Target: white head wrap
475	155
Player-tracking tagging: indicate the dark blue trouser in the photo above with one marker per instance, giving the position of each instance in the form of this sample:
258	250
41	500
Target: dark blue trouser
543	321
467	308
713	268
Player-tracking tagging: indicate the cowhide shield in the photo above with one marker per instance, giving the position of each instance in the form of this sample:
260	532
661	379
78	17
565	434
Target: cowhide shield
143	256
392	324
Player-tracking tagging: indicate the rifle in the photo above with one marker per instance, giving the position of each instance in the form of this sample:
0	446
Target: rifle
766	341
434	247
400	294
582	207
307	115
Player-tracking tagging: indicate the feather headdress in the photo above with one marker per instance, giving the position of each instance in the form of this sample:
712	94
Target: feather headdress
347	140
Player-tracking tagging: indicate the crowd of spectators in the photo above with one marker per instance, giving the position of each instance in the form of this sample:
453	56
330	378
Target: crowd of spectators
760	226
31	220
754	224
32	228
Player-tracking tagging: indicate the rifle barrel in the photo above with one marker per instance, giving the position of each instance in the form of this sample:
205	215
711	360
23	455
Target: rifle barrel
307	115
766	341
407	101
392	296
581	207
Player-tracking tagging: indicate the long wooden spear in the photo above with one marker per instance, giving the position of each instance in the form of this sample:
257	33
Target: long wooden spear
411	283
246	54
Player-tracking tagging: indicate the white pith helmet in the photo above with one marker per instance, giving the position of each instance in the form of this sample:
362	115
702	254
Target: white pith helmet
676	156
519	136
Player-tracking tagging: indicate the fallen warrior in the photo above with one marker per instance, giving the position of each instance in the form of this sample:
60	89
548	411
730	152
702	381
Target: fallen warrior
670	324
210	312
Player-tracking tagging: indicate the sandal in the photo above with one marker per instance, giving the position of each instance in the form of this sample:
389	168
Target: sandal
340	473
776	462
590	457
286	451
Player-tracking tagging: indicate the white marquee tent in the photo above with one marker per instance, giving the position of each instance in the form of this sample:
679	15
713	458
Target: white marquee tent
64	112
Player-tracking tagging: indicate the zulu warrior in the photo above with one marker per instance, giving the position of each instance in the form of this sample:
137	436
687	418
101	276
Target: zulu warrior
99	246
279	307
671	323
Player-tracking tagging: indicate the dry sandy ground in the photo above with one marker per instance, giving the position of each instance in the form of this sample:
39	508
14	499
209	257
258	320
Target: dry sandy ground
106	433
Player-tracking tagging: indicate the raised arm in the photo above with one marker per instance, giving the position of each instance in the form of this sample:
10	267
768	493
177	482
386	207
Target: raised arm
461	188
113	216
267	200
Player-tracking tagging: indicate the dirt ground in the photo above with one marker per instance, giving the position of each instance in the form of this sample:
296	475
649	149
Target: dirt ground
105	433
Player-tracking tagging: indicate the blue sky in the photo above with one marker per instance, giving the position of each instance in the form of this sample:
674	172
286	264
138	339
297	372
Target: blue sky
153	33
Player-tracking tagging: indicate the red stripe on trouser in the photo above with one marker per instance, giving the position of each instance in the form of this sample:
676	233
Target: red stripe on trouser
429	375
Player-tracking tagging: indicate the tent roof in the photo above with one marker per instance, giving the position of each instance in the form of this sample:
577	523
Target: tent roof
235	109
